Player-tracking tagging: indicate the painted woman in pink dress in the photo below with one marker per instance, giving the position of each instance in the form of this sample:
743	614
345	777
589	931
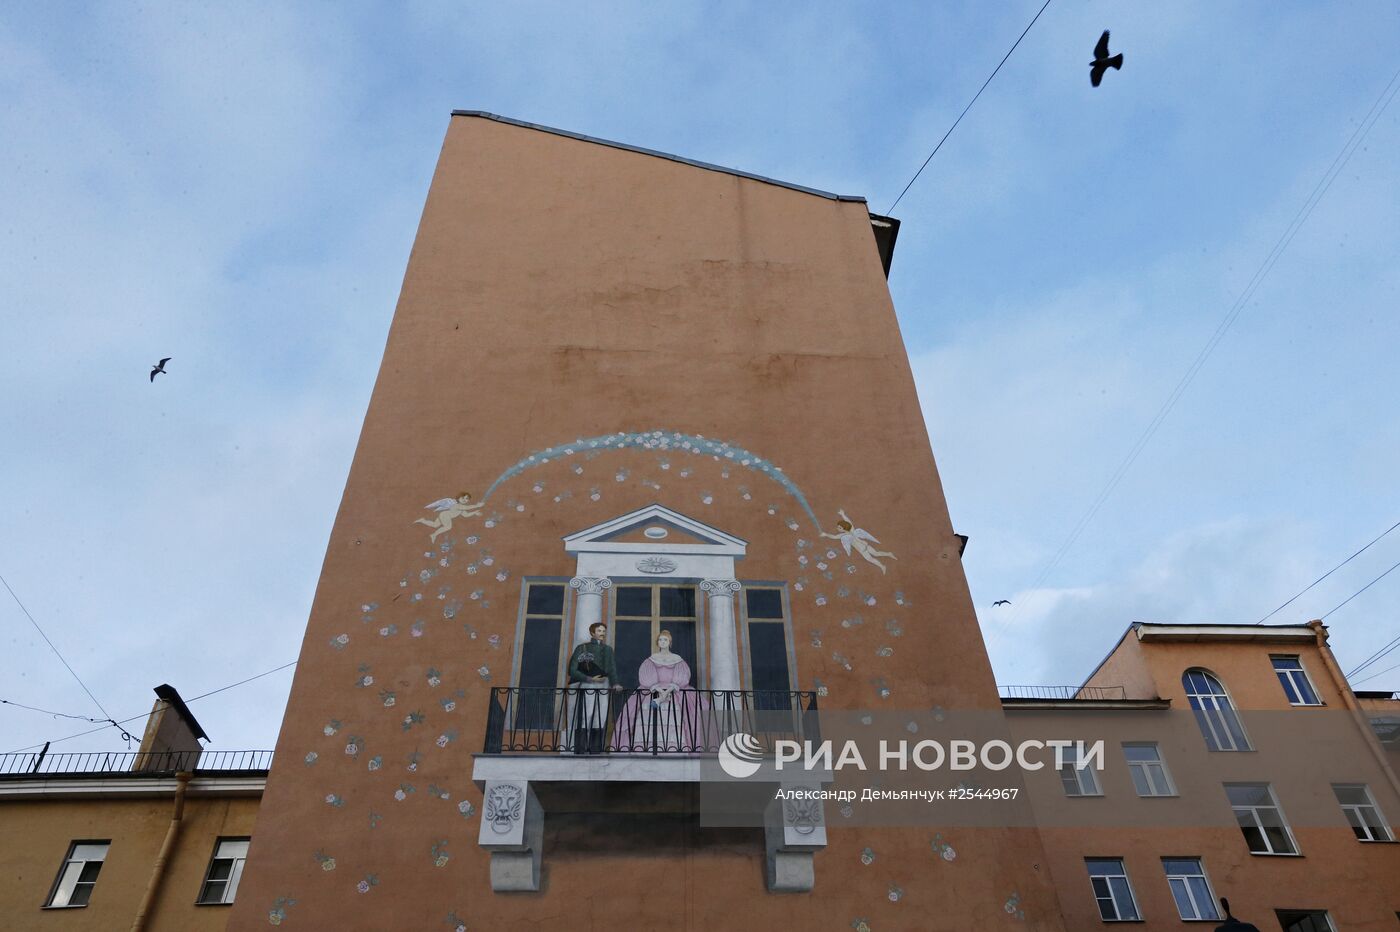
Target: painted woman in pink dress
662	710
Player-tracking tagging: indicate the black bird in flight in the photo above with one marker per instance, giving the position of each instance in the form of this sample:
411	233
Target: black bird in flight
1001	602
1102	62
159	368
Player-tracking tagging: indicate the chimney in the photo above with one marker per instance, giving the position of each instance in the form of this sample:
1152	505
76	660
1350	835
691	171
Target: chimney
172	737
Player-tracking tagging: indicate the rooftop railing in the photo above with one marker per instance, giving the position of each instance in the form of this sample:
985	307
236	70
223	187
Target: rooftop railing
1063	693
135	763
640	721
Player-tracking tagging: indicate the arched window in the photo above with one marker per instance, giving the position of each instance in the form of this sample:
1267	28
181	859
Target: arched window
1220	726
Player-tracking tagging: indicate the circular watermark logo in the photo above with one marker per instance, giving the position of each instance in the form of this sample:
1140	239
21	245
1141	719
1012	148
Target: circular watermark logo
741	755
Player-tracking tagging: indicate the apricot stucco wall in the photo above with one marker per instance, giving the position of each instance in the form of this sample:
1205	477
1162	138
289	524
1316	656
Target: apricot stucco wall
37	834
729	348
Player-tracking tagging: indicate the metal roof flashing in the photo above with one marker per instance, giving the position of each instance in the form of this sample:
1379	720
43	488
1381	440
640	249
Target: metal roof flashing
482	114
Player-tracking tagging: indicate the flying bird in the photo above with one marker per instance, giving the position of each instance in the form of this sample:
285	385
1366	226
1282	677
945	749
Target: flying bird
1001	602
159	368
1102	62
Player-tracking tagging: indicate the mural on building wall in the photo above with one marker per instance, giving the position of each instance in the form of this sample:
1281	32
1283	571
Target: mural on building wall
858	539
449	510
457	598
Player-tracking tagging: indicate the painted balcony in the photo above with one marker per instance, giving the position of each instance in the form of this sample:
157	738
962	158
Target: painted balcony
688	722
594	755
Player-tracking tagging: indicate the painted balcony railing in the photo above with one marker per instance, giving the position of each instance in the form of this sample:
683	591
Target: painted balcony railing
145	763
600	721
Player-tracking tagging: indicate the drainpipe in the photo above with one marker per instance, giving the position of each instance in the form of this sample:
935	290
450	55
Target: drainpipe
182	780
1367	735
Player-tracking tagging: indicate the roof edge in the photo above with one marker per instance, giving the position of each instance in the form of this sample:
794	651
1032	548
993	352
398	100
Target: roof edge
482	114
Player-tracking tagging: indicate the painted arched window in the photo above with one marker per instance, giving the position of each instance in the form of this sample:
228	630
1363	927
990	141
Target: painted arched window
1220	726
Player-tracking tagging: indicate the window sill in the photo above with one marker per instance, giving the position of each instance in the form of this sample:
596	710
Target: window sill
1275	854
1376	841
1160	796
70	906
213	904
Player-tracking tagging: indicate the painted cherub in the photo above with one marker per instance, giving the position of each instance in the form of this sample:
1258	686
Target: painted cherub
448	510
859	539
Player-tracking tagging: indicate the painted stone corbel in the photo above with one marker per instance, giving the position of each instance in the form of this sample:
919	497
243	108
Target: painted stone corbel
793	829
512	829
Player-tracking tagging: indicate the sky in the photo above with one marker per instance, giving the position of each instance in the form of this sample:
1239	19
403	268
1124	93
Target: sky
237	187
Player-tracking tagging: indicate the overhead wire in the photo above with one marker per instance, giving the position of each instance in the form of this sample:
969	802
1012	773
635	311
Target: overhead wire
967	108
1372	676
83	718
125	735
1364	588
1270	260
144	714
1326	574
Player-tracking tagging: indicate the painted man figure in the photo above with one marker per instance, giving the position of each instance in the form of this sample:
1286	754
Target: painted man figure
593	674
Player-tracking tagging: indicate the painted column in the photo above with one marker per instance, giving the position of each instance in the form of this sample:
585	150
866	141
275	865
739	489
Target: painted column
724	642
588	607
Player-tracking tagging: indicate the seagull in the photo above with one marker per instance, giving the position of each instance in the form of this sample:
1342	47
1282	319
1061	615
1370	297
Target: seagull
159	368
1001	602
1102	62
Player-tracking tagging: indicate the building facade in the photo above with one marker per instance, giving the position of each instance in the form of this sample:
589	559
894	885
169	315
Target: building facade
153	839
626	388
1237	763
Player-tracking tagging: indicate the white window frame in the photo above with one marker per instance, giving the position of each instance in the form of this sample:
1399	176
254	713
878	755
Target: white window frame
73	867
1199	915
1077	777
1294	676
1350	809
1146	768
1259	823
235	873
1212	709
1112	897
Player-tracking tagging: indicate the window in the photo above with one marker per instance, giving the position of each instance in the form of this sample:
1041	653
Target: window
540	654
78	875
1260	818
642	612
1148	770
1220	726
225	870
1296	685
1304	920
766	643
1361	812
1190	888
1111	889
1076	776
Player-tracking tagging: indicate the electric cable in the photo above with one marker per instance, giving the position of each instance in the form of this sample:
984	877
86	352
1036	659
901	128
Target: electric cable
1326	574
965	109
144	714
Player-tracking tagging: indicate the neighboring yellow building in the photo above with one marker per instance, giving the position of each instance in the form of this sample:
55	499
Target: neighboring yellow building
148	840
1237	763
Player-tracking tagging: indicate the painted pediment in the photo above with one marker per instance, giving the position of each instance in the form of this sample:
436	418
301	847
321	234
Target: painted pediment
654	529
